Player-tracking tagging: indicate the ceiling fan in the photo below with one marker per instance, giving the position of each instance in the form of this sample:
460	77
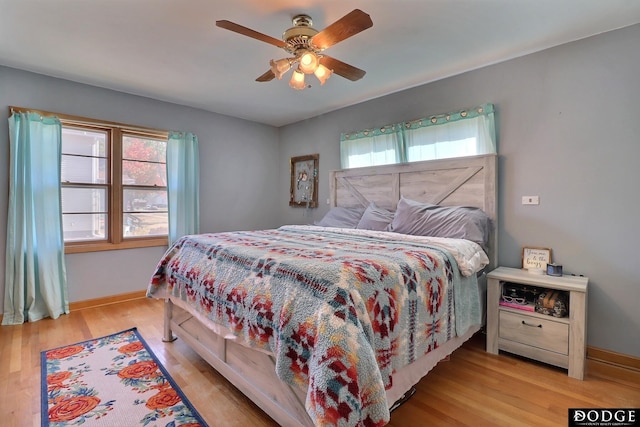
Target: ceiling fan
306	45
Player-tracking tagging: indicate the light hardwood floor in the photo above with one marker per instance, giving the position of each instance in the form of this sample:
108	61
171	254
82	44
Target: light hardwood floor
472	388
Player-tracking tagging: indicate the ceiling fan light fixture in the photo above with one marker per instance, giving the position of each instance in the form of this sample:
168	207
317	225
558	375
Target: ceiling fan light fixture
297	80
280	67
322	73
309	61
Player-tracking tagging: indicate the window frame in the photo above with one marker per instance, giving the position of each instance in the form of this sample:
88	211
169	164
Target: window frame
115	239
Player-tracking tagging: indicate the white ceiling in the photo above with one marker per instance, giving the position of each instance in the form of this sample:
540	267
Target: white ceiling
171	49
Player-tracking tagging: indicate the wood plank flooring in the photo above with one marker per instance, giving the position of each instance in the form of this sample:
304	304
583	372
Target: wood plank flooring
473	388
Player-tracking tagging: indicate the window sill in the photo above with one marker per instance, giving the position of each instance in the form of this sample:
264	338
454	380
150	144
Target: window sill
81	247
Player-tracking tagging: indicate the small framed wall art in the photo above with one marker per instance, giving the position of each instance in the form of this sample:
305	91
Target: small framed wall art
535	259
304	181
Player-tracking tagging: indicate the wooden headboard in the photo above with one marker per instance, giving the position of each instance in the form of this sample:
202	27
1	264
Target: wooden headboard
463	181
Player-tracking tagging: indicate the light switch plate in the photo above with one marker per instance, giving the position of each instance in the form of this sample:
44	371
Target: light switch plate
530	200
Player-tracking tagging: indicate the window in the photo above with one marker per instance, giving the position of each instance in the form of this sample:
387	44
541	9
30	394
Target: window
114	186
85	189
464	133
144	186
453	138
372	148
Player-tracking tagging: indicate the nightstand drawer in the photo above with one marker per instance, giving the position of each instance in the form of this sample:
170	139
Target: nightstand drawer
533	331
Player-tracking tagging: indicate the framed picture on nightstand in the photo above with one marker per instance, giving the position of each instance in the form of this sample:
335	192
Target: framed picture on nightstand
535	259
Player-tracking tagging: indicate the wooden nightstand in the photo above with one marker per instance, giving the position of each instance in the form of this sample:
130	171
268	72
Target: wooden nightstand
559	341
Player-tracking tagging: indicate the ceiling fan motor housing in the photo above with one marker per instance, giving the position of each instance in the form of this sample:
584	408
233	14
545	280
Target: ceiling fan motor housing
298	36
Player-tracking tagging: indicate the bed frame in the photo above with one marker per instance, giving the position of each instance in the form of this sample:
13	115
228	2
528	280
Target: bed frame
468	181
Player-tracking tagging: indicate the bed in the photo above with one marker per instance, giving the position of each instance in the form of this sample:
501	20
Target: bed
322	325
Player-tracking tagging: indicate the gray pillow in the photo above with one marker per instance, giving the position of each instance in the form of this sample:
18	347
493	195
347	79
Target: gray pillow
375	218
341	217
425	219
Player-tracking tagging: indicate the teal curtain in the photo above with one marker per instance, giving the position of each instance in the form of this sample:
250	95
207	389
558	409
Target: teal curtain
456	134
35	277
183	185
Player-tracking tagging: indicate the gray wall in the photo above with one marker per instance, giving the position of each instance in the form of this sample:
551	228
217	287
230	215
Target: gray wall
569	132
236	172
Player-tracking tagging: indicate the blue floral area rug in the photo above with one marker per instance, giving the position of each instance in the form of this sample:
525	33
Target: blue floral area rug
113	381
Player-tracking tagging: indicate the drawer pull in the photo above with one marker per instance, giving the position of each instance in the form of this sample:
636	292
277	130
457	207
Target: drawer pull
529	324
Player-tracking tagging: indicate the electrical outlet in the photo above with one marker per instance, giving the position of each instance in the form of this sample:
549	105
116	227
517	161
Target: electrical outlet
530	200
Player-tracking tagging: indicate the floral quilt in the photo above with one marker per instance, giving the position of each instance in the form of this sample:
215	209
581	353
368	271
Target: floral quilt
340	312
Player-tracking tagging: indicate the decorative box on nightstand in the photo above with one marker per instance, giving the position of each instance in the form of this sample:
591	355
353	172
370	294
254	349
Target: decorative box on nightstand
559	341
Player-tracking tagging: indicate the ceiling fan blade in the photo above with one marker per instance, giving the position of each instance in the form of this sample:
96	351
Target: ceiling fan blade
340	68
231	26
349	25
266	77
